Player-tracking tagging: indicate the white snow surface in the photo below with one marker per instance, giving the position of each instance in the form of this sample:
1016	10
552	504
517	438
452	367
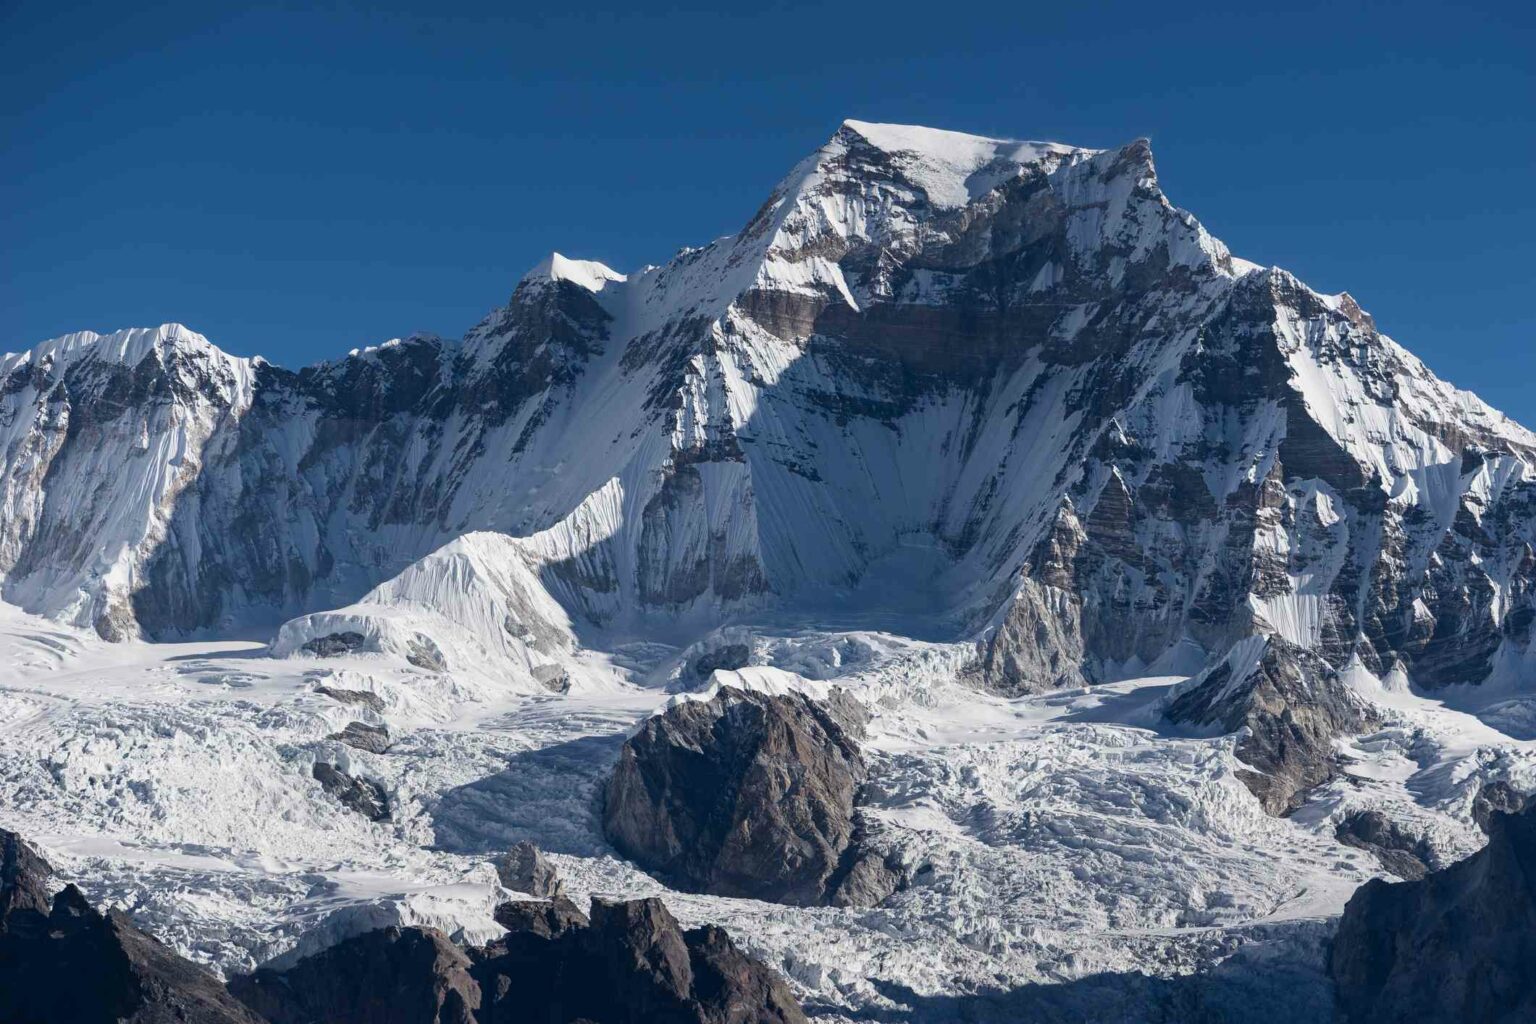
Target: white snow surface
952	167
588	274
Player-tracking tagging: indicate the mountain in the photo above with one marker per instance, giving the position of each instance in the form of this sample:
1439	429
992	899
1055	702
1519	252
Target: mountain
961	386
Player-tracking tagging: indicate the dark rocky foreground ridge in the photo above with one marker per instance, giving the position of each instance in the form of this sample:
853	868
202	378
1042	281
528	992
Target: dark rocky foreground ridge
1458	945
63	962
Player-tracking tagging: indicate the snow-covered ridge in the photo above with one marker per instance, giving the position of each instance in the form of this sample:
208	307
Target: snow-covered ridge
474	608
127	347
949	165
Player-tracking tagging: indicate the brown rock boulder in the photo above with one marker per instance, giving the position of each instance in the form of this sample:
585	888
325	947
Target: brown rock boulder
745	794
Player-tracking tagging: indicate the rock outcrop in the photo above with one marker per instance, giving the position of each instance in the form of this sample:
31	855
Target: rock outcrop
333	644
387	976
1496	798
1372	831
524	868
746	794
1454	948
364	796
362	736
363	698
66	961
632	964
1289	704
548	918
25	876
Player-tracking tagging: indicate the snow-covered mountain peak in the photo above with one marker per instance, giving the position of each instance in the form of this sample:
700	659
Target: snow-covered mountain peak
953	168
588	274
1013	371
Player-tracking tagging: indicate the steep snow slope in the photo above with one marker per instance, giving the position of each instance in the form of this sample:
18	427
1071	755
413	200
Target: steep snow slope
102	435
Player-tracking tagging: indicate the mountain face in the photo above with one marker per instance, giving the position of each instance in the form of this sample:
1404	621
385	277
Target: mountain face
952	385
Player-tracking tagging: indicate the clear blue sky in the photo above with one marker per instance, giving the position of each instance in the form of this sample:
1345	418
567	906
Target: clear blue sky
295	180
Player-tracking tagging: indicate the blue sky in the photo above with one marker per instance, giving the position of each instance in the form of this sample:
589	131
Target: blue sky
296	180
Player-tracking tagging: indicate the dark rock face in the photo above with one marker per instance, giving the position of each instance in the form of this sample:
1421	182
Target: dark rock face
631	965
524	868
548	919
553	678
372	738
1292	703
388	976
1454	948
364	796
333	644
1400	853
729	656
62	960
745	794
1496	798
24	876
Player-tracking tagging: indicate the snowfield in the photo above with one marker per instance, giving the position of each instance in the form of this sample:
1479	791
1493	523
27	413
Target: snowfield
1072	851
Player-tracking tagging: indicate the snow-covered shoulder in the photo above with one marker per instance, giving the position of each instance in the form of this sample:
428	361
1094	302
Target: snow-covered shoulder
474	608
